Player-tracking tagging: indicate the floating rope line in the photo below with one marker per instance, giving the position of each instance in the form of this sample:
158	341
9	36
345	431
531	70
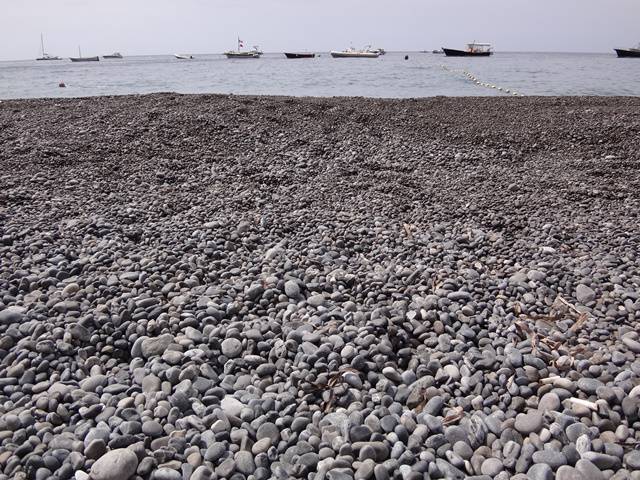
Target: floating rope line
479	83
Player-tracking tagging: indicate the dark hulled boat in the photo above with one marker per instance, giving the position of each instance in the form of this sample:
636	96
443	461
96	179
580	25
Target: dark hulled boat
473	50
299	55
628	52
84	59
80	58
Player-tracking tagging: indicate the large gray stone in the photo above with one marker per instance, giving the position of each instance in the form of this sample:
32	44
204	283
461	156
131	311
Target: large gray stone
119	464
527	423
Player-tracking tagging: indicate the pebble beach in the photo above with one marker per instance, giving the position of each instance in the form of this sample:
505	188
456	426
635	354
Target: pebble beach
203	287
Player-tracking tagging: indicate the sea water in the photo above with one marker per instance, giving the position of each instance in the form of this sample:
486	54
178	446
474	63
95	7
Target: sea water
390	75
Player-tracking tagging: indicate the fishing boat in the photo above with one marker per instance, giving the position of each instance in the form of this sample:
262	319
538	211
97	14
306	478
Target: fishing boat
353	53
113	55
473	50
183	56
437	52
299	55
239	53
80	58
633	52
45	55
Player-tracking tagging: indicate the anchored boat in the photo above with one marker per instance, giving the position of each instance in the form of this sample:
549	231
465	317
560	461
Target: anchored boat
183	56
628	52
353	53
113	55
46	56
299	55
379	51
239	53
473	50
80	58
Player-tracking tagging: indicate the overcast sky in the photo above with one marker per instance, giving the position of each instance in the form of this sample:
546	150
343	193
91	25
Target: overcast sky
137	27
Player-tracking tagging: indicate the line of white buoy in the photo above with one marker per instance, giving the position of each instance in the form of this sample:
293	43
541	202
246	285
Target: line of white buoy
480	83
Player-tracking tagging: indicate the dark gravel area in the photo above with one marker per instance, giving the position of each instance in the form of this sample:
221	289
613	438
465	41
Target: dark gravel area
206	287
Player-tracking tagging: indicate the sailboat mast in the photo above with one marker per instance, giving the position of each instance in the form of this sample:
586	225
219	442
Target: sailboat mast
42	43
79	52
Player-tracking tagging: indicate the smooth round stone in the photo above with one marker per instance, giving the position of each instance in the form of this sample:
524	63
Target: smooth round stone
244	462
166	474
549	402
231	347
309	460
632	460
491	467
152	428
292	289
215	452
566	472
117	464
261	446
588	470
575	430
392	374
201	473
552	458
527	423
95	449
268	430
360	433
231	405
589	385
540	472
463	450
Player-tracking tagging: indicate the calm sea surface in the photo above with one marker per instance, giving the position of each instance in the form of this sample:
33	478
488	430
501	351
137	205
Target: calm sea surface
422	75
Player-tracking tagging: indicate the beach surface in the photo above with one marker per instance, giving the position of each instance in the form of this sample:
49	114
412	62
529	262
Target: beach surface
204	287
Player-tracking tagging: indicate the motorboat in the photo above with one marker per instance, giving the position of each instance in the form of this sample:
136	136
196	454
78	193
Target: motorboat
80	58
246	54
353	53
633	52
113	55
239	53
45	55
473	50
299	55
183	56
437	51
379	51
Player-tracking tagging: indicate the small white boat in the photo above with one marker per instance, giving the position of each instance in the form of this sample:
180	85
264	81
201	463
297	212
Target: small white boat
183	56
379	51
239	53
353	53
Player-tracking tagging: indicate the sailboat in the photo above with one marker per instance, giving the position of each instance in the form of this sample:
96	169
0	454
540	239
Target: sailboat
80	58
45	55
255	53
